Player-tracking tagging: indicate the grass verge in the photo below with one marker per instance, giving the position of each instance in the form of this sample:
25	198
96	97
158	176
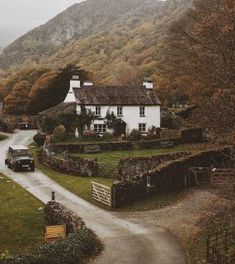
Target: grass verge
21	221
3	137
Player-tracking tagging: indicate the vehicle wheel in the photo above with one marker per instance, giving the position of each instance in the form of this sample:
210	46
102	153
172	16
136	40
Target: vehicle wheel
14	168
33	168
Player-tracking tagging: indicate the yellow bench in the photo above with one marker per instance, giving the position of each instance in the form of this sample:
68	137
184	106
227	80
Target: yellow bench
54	233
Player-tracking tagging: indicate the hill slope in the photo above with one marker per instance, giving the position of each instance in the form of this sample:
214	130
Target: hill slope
100	34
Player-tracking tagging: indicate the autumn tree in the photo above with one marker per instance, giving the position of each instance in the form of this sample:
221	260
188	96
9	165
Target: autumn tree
125	74
16	102
201	48
216	114
51	88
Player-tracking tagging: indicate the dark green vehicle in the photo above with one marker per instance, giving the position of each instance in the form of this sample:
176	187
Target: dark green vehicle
18	158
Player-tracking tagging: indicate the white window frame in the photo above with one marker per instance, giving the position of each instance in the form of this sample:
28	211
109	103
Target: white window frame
98	110
143	127
142	111
100	128
119	111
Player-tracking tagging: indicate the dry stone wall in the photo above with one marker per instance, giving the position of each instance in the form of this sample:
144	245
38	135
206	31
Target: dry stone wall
168	176
58	214
71	165
131	167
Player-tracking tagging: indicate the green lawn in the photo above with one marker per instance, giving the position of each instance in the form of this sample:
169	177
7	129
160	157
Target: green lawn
2	137
113	157
21	221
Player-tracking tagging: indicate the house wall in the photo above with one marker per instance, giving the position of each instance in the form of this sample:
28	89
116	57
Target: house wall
131	115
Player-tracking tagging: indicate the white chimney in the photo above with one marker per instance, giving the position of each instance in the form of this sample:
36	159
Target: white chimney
148	83
88	83
74	83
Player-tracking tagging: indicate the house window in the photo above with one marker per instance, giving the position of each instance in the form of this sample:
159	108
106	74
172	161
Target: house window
119	111
98	111
100	128
142	110
142	127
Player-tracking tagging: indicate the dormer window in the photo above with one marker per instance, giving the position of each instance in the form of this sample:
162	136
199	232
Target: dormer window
98	110
119	111
142	111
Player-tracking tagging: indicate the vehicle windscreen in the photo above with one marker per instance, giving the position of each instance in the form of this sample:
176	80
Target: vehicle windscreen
21	152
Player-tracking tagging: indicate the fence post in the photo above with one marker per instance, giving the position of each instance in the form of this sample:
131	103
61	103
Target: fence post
208	249
113	197
53	196
216	239
226	240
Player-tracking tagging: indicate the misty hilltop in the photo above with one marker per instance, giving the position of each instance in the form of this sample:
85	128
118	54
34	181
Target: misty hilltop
97	33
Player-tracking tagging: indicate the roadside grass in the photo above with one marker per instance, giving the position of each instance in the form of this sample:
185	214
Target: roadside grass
156	201
113	157
3	137
21	221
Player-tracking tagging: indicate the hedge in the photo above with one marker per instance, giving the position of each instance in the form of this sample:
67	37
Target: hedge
72	250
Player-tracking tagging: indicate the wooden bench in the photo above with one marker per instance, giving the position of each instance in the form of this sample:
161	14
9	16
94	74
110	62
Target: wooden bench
91	148
167	144
54	233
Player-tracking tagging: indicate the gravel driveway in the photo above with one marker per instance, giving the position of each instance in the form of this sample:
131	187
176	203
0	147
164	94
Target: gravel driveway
124	240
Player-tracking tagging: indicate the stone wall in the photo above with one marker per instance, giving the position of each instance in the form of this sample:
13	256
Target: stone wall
191	135
126	191
67	164
77	147
58	214
130	167
168	176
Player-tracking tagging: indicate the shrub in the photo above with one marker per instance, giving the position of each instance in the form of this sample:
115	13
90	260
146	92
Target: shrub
108	136
59	134
39	139
153	133
89	135
135	135
72	250
48	124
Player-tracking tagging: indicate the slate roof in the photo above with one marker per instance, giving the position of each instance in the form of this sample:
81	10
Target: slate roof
116	95
62	107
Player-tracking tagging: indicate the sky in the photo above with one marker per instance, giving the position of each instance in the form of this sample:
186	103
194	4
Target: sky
19	16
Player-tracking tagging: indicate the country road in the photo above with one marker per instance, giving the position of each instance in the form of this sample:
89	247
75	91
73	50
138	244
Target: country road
124	241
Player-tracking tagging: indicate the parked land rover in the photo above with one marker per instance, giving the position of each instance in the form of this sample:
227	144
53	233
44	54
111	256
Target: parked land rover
19	158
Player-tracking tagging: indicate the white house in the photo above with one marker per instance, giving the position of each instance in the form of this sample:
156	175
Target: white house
135	107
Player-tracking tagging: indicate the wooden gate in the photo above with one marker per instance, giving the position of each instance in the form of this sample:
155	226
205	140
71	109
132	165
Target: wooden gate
101	193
